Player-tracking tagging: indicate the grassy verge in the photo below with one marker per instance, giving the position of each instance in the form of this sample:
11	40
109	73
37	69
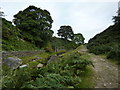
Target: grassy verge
88	75
87	78
71	70
111	60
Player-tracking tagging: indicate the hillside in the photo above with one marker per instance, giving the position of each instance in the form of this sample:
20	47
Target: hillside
107	42
33	58
32	31
13	39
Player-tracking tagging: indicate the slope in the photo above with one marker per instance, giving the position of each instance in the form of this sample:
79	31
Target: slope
107	42
12	38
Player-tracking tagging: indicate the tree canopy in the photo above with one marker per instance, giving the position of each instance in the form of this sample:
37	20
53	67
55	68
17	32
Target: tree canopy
1	13
116	19
35	22
33	25
78	38
66	32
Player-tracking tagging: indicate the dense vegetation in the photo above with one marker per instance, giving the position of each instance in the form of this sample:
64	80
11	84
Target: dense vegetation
108	41
66	72
11	38
35	25
32	31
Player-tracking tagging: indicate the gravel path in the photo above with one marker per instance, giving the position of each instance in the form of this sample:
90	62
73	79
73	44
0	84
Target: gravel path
106	73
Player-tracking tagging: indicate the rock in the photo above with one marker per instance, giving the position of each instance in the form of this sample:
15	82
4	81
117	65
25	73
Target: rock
22	66
52	58
104	85
39	65
12	62
34	60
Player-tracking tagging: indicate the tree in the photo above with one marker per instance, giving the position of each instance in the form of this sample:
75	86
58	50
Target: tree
1	13
116	19
78	38
36	22
66	32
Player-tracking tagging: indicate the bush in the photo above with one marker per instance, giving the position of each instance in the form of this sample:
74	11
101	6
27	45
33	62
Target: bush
100	49
64	73
74	61
33	64
114	54
106	42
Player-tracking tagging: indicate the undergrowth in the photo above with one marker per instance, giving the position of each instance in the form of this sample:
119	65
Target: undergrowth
69	71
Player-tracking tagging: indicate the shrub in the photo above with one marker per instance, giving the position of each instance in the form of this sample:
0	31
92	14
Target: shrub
33	64
114	53
64	73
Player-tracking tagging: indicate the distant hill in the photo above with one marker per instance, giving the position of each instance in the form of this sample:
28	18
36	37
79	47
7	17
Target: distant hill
107	42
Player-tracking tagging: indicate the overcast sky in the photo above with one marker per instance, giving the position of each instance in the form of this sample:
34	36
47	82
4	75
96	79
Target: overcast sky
88	18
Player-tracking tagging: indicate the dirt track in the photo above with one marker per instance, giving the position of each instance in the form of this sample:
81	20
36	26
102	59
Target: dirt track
105	72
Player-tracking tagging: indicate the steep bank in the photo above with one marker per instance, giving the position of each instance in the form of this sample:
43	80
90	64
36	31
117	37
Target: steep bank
107	42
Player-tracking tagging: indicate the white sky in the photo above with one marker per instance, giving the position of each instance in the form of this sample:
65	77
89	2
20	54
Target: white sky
86	17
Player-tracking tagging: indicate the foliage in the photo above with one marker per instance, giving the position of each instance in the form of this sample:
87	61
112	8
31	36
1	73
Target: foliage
114	53
78	38
36	23
66	32
48	47
1	14
116	19
32	31
64	73
18	77
11	38
39	58
59	44
106	42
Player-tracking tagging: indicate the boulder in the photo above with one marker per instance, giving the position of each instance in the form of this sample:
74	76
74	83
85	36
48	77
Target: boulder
52	58
39	65
12	62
